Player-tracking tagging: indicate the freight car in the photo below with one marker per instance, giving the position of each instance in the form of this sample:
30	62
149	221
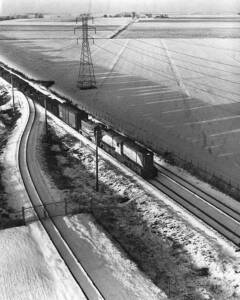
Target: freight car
71	115
129	153
126	151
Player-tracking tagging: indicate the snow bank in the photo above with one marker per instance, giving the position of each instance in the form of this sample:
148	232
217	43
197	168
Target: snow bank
31	268
9	159
31	272
112	270
170	244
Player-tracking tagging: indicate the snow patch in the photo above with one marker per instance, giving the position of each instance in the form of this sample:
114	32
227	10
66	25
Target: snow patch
31	272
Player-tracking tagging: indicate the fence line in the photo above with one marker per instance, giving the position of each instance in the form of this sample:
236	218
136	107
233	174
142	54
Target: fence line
48	210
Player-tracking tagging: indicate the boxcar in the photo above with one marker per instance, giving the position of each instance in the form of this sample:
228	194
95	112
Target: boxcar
132	155
68	115
52	106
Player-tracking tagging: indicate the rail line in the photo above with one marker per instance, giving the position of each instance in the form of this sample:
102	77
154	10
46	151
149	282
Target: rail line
35	196
214	212
224	218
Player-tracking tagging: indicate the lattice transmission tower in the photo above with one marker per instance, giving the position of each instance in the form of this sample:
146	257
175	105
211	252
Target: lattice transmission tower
86	76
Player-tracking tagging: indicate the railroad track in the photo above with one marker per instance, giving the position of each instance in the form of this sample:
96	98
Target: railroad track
223	217
36	195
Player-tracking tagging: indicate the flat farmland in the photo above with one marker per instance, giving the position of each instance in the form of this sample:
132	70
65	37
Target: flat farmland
185	28
179	94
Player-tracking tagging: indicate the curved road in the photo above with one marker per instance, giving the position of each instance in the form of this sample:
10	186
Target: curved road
37	191
99	278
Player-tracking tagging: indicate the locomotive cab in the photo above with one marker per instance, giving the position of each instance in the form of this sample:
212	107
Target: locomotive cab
111	141
139	159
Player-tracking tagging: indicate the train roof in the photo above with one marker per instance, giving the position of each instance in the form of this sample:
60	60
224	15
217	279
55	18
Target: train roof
137	147
46	92
37	86
114	135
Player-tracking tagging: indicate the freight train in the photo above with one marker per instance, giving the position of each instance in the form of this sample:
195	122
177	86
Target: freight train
128	152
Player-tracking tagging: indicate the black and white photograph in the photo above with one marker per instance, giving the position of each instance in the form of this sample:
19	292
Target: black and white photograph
119	150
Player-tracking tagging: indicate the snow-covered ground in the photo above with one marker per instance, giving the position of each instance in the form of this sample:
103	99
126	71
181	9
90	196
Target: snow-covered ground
107	265
30	266
112	271
32	269
203	129
9	158
182	256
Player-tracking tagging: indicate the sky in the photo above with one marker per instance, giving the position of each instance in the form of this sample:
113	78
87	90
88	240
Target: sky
109	6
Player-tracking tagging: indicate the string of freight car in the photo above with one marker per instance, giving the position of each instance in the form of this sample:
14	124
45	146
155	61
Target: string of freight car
133	155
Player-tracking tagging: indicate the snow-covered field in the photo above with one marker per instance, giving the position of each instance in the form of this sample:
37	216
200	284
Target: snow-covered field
32	269
30	266
203	128
179	254
10	128
185	28
147	76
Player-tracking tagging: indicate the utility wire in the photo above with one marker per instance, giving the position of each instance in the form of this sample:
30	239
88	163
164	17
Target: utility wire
135	49
189	55
159	72
143	66
207	46
169	78
196	64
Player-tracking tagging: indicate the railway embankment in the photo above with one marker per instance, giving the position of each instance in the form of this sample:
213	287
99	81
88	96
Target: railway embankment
221	180
178	256
8	121
158	239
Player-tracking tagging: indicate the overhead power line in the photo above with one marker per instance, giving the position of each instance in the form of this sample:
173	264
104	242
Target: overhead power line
207	46
190	55
162	74
136	50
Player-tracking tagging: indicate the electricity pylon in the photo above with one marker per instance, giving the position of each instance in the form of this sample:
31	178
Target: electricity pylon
86	77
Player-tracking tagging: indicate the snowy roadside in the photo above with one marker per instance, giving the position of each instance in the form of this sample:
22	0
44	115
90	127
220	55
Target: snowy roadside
181	255
11	177
30	271
111	270
10	123
30	266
